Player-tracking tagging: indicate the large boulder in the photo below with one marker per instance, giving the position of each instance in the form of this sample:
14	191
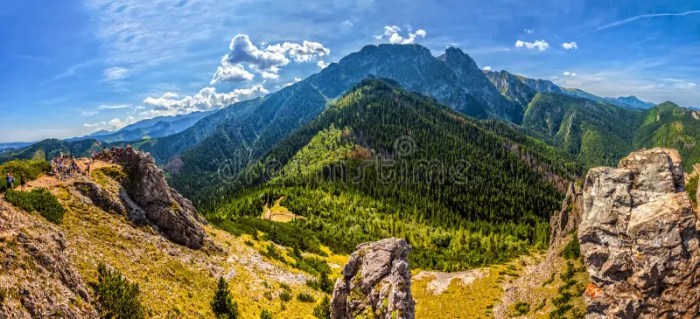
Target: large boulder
639	239
163	206
375	283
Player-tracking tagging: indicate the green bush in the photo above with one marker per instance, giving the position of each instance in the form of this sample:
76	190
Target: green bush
522	308
38	200
266	315
116	297
323	283
691	187
304	297
222	304
31	169
285	296
572	249
323	309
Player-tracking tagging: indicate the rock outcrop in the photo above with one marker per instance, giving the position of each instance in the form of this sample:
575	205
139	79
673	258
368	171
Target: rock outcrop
565	222
163	206
37	279
639	239
375	283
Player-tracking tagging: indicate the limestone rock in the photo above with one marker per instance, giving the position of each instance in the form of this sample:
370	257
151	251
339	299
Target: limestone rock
375	283
100	197
37	278
163	206
639	239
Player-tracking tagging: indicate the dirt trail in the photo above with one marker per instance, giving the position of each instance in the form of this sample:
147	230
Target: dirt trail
48	181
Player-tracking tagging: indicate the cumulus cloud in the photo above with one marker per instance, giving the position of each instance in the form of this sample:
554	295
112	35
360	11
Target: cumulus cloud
115	73
528	31
571	74
540	45
569	45
322	64
267	62
391	33
231	73
487	68
206	99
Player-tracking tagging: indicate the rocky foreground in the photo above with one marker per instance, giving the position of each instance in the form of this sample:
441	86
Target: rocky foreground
639	239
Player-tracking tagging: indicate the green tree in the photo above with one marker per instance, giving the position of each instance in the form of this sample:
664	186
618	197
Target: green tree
222	304
323	310
266	315
116	297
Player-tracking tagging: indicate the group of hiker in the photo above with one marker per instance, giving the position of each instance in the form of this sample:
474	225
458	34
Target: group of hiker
66	165
10	181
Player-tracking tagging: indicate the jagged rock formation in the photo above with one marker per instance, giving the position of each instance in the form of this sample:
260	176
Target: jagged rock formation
149	195
375	283
639	239
564	222
37	280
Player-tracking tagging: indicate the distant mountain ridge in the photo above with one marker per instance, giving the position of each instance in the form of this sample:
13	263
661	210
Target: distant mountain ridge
156	127
630	101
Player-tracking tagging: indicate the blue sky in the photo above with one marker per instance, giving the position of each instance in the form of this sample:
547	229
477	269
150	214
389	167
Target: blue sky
69	68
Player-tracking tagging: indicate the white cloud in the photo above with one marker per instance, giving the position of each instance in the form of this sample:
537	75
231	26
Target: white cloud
115	73
113	124
540	45
680	83
528	31
569	45
348	23
305	52
206	99
487	68
571	74
290	83
267	62
391	33
231	73
322	64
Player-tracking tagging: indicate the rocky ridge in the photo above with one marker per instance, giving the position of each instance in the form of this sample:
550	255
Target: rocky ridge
375	283
639	239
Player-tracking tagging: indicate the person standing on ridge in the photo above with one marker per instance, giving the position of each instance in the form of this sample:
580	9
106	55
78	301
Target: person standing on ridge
22	182
8	180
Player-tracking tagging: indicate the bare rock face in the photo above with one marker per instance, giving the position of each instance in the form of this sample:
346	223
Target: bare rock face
566	221
37	279
376	283
163	206
639	239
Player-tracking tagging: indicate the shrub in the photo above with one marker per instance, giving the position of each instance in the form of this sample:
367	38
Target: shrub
572	249
266	315
691	187
304	297
323	283
522	308
38	200
222	304
323	309
285	296
116	296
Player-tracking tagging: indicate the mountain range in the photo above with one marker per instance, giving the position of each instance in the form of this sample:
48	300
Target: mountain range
466	165
156	127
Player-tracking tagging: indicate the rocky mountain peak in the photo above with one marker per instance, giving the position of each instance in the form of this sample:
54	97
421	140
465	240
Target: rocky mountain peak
375	283
639	239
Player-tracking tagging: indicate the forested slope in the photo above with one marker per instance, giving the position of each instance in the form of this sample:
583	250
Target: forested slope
384	162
